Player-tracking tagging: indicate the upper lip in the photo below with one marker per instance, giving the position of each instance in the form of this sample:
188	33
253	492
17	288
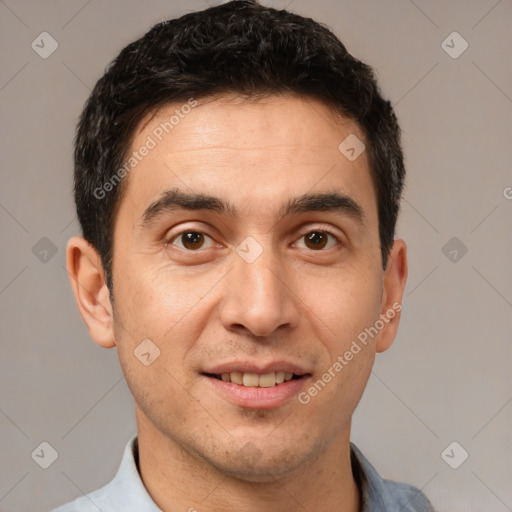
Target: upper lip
257	368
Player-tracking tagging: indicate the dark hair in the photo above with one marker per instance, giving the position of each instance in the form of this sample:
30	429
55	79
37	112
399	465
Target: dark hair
238	47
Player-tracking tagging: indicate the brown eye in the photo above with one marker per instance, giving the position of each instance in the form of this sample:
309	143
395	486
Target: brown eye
318	240
190	240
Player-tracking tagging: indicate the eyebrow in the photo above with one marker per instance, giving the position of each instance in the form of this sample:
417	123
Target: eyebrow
175	199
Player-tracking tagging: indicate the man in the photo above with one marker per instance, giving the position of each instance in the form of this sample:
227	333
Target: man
237	179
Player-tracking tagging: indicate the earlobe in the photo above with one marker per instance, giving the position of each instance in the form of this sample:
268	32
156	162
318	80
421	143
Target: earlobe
395	278
90	289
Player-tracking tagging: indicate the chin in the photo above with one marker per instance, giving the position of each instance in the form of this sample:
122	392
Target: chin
257	472
260	462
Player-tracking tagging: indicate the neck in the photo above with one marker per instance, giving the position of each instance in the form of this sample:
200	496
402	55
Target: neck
177	480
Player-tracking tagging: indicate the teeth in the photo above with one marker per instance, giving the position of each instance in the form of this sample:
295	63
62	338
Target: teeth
253	380
267	380
236	377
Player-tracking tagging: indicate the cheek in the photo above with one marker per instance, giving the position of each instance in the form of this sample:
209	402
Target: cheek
342	378
344	303
165	308
153	334
155	302
342	309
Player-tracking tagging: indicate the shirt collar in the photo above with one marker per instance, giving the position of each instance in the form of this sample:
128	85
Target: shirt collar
127	485
376	494
380	495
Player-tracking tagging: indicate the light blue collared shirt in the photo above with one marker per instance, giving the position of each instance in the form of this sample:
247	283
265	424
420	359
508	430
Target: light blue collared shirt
126	492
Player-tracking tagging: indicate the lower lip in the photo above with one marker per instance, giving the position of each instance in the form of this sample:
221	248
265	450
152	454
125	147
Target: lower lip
256	397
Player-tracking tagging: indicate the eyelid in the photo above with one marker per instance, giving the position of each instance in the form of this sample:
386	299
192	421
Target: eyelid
322	229
170	240
325	228
205	229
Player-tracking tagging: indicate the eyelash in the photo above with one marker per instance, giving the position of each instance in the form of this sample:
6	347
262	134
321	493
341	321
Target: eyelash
315	230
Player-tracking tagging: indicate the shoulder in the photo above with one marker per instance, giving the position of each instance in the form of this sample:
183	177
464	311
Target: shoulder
407	497
92	502
381	495
124	492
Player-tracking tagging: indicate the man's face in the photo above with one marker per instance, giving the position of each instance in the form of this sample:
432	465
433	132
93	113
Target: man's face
252	288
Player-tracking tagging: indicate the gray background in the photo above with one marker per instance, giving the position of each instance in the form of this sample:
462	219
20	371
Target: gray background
446	378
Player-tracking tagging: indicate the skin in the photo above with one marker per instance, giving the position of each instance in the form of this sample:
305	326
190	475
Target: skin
207	305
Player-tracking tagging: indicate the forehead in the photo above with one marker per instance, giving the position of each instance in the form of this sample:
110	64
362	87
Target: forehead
247	151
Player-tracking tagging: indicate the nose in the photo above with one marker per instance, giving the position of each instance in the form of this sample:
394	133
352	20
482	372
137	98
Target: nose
259	297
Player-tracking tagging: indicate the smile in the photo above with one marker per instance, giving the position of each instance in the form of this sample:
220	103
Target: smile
253	380
257	391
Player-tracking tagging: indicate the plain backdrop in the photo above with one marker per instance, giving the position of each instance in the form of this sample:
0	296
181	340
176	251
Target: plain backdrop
446	378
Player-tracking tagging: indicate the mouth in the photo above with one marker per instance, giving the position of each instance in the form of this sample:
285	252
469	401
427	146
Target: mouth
254	380
250	390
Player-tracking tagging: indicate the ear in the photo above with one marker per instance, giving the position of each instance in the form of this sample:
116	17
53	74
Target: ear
395	278
90	289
